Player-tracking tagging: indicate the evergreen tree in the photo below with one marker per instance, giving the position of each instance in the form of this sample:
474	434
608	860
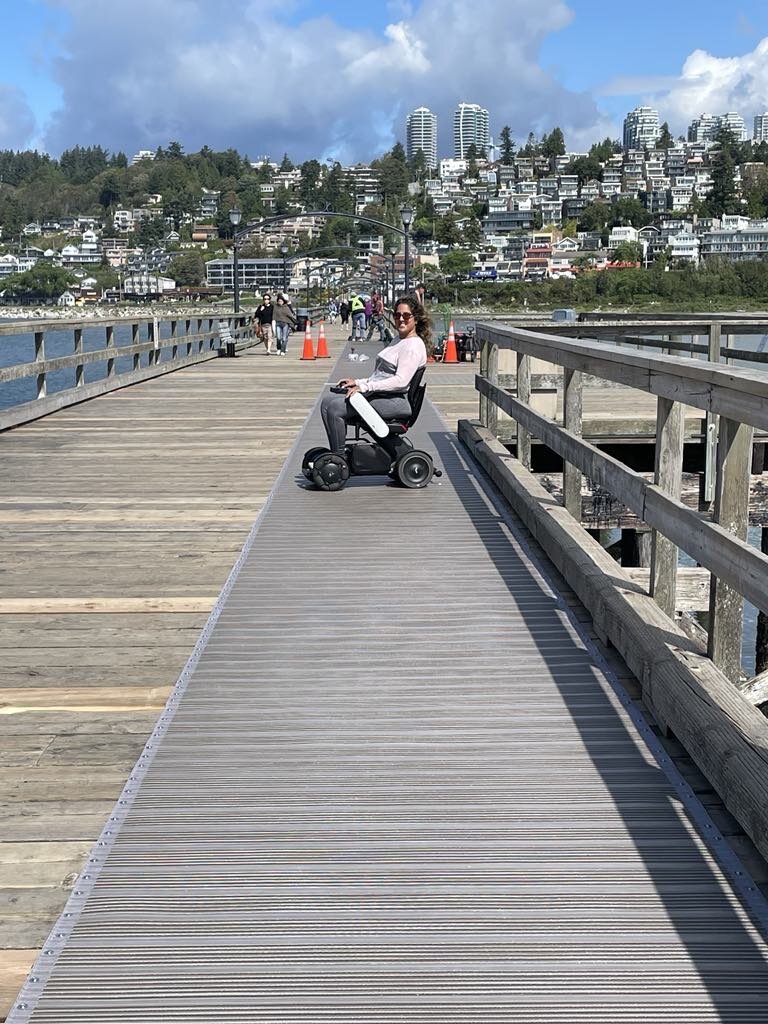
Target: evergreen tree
722	197
665	140
286	164
507	146
553	145
310	181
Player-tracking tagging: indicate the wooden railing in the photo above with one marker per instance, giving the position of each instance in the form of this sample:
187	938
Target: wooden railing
703	699
161	345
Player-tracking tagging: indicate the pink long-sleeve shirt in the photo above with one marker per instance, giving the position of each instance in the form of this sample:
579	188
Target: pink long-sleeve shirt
395	366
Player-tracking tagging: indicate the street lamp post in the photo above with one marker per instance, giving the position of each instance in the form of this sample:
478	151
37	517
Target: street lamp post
307	266
406	216
284	254
393	251
235	215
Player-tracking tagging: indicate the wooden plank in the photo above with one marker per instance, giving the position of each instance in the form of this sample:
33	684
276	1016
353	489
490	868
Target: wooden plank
668	477
14	701
691	589
15	965
572	422
524	395
103	605
731	512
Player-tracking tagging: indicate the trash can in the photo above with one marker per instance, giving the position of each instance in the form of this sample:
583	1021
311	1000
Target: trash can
302	316
231	350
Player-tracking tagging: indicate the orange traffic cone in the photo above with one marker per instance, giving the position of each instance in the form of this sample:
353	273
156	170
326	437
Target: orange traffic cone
322	347
450	355
309	352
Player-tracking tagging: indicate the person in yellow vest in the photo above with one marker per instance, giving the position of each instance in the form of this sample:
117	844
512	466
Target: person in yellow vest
358	319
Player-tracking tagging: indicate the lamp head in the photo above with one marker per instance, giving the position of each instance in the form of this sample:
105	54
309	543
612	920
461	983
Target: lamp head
406	215
394	250
284	249
235	216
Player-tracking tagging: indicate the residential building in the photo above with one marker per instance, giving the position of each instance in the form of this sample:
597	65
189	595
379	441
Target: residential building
641	128
252	273
734	123
470	126
620	234
421	134
703	128
143	154
760	130
737	239
684	247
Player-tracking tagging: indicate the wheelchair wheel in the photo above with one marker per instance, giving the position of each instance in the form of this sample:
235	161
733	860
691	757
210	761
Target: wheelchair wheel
330	472
415	469
309	457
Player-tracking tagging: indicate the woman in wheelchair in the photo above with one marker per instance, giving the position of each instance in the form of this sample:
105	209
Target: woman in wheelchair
387	387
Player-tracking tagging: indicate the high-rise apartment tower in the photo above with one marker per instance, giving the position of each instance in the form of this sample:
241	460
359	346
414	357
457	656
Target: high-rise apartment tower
470	125
641	128
760	133
421	134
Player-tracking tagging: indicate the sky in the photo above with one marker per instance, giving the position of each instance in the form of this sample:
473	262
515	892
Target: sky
335	79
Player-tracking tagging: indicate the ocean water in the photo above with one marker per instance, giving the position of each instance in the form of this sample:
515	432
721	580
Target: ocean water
20	348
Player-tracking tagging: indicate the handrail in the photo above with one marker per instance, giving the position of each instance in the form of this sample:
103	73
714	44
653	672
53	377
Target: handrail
192	339
737	397
733	391
703	699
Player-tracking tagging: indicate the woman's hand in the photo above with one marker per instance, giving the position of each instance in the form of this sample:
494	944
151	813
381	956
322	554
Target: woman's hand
348	382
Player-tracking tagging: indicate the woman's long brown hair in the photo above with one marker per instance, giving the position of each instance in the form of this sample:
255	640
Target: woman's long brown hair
420	315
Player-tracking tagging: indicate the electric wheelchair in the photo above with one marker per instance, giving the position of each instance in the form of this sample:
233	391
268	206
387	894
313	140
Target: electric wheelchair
387	453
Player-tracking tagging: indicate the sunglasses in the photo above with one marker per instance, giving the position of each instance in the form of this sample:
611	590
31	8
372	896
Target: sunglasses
403	316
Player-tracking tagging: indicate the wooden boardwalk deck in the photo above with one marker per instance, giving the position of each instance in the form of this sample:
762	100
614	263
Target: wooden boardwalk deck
403	791
120	519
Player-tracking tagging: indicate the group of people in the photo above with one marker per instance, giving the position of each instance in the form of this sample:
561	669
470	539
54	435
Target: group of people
274	323
367	316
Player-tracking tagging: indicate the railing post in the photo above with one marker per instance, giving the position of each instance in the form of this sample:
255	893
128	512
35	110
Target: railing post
572	420
78	351
200	332
175	346
187	325
710	423
156	340
668	476
489	368
731	511
135	340
524	395
110	344
42	382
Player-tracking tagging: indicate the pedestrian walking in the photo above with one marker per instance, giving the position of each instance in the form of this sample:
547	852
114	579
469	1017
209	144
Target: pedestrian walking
344	312
357	306
285	322
377	317
265	314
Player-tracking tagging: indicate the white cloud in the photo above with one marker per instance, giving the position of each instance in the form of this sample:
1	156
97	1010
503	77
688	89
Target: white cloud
714	85
17	122
138	73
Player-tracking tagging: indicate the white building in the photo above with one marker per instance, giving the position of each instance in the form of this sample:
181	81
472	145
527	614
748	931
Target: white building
760	131
641	128
421	134
733	123
622	233
470	126
703	128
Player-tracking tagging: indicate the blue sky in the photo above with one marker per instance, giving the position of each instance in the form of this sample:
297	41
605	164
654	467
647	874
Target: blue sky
335	79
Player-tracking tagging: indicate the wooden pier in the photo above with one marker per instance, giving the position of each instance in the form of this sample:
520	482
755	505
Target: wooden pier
403	845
